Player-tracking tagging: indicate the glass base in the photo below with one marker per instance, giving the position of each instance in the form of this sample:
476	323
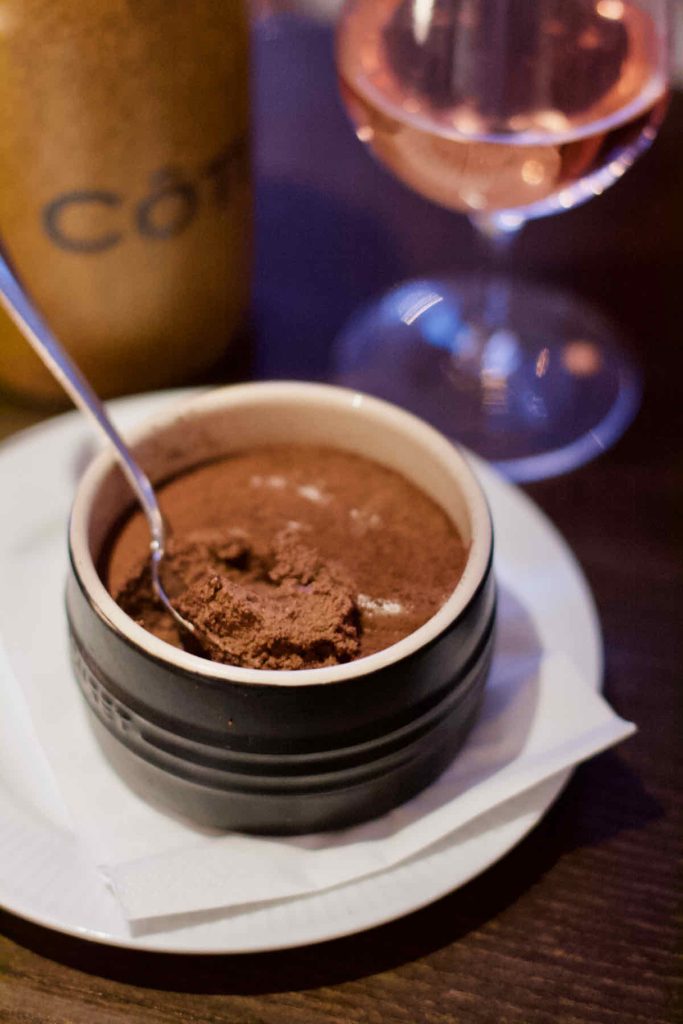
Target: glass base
540	386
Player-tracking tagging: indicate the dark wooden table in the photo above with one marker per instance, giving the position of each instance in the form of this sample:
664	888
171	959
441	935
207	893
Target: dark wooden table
579	922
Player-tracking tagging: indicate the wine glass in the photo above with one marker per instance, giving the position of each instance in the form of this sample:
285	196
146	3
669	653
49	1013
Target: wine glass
505	110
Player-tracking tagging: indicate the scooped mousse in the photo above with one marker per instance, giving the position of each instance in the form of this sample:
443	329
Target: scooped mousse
290	557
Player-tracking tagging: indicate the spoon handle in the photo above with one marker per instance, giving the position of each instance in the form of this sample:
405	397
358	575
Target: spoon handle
20	308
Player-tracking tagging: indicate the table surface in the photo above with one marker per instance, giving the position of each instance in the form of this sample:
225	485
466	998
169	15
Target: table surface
579	922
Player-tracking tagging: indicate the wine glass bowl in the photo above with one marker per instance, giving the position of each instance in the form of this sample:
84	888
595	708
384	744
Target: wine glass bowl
539	105
505	110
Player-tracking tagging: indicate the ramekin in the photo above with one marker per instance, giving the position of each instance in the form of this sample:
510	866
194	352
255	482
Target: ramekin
282	752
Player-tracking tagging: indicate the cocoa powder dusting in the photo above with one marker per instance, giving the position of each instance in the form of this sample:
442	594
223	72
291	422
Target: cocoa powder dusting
291	557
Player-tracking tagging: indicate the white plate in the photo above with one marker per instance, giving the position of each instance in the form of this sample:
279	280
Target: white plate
45	877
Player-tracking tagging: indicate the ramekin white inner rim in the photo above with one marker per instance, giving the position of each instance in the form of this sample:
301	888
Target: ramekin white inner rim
378	415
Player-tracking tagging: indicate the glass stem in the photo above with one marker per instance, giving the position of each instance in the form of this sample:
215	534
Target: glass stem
488	350
498	237
490	322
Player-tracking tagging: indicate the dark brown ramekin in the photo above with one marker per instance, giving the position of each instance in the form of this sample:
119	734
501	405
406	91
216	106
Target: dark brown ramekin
290	751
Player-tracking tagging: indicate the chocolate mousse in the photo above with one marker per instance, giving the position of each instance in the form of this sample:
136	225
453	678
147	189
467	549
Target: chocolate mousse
290	557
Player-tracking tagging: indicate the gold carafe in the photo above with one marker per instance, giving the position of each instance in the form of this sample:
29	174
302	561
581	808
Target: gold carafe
125	194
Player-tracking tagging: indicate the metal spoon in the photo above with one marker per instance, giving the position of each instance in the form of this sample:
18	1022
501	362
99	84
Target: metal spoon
20	308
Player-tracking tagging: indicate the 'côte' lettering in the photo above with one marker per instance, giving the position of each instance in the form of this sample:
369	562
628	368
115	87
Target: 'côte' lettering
170	206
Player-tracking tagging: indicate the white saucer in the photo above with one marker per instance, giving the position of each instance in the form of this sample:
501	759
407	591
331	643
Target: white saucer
45	877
